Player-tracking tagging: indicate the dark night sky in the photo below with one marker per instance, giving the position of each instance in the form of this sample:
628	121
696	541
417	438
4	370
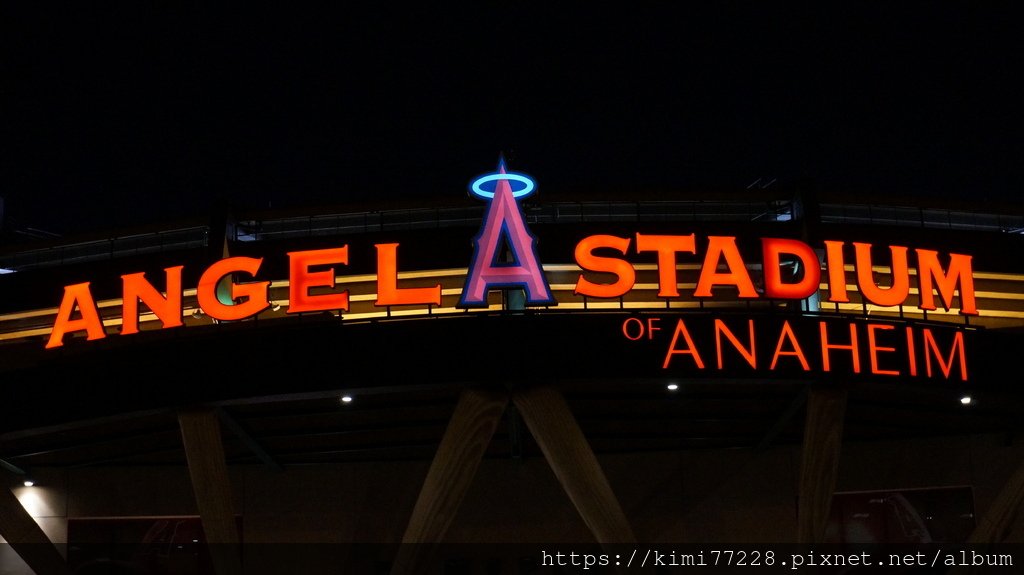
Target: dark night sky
133	114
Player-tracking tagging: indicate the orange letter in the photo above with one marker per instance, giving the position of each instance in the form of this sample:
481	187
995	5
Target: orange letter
254	293
825	346
836	272
690	348
736	275
959	271
787	332
388	292
639	325
586	259
80	295
667	247
873	349
773	287
301	279
911	353
947	367
891	296
748	355
136	288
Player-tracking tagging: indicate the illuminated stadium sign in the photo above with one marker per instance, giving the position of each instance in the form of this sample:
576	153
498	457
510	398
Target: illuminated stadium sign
504	220
701	344
505	256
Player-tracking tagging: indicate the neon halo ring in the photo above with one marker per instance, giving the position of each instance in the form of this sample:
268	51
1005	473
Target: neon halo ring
528	185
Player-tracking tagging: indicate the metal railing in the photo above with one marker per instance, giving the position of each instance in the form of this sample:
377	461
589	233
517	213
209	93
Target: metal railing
470	216
98	250
548	213
921	217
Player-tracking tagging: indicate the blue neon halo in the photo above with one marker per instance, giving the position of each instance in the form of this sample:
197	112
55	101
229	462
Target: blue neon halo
528	185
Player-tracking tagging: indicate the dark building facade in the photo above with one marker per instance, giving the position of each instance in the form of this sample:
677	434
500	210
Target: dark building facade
737	370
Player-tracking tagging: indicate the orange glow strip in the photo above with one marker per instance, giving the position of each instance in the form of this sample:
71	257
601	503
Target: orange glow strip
976	275
561	287
913	311
979	294
853	308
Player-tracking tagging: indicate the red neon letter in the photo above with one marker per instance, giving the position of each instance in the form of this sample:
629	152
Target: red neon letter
826	346
911	352
736	275
136	288
773	286
891	296
932	348
254	293
388	292
586	259
836	272
748	355
874	348
76	295
667	247
928	268
639	325
689	350
787	333
301	279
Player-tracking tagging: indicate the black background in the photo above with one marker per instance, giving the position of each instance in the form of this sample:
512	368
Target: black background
122	374
120	114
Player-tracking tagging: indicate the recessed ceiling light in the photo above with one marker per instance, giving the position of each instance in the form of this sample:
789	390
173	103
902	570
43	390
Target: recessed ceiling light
28	483
672	387
346	399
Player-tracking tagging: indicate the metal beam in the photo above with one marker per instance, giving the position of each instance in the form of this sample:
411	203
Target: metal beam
254	446
515	435
4	464
780	424
80	424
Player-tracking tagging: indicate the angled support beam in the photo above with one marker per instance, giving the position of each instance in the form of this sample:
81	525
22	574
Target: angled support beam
465	440
780	424
560	439
1002	522
7	465
819	467
243	434
27	539
204	449
515	432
